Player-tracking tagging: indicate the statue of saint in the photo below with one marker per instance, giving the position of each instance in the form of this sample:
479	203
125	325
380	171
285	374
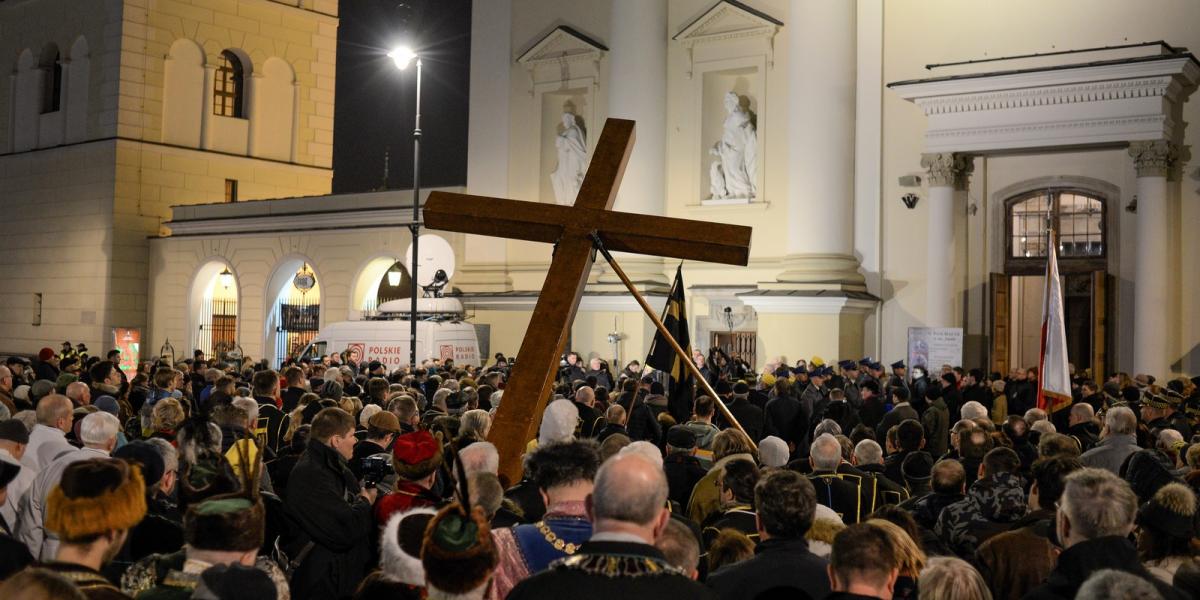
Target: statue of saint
572	161
734	173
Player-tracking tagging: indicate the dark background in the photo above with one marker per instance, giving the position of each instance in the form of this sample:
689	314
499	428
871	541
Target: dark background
375	101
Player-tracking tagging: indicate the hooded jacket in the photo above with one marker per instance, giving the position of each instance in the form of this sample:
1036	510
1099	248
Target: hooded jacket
991	507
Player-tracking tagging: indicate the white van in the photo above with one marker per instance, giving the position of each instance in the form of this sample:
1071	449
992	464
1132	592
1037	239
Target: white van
440	334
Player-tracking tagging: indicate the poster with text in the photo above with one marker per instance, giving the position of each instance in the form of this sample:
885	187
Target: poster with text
129	342
932	347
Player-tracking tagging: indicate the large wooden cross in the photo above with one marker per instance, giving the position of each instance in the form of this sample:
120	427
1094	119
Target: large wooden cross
570	228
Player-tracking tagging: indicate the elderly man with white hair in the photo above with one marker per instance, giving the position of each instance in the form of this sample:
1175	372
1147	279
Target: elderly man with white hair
877	489
1095	516
1118	440
98	432
48	438
842	495
558	422
973	410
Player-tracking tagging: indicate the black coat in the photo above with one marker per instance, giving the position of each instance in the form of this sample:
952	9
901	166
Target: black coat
777	563
683	473
272	423
590	420
291	398
1080	561
901	412
787	420
749	416
611	570
338	521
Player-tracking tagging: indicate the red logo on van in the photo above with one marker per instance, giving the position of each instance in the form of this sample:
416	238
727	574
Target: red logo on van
446	351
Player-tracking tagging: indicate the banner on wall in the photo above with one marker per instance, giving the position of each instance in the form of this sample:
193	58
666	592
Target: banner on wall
932	347
129	342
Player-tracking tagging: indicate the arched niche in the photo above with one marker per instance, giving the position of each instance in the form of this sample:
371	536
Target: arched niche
281	289
183	94
365	289
78	77
27	102
213	286
273	100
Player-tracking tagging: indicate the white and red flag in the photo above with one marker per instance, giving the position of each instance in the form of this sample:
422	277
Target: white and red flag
1054	376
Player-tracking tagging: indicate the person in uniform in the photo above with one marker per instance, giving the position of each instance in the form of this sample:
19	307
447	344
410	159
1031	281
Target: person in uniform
899	376
814	397
850	383
842	494
737	503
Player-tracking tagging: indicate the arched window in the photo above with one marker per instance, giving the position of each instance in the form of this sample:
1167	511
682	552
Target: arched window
1077	218
228	85
52	79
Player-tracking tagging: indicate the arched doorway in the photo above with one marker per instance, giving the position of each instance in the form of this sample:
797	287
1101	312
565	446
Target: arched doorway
1078	218
213	308
380	280
294	317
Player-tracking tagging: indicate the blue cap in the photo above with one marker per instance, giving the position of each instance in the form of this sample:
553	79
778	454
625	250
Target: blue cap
847	364
898	364
866	360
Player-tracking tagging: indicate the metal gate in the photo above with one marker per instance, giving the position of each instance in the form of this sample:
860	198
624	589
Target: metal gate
296	323
218	324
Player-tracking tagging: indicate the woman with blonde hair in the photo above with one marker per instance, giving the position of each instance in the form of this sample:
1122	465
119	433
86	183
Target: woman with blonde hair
948	578
165	417
909	555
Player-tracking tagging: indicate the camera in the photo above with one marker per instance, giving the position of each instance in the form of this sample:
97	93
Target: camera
375	469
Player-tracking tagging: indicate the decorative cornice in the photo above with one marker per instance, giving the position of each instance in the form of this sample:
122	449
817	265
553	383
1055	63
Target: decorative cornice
809	305
1086	104
1154	158
948	169
726	21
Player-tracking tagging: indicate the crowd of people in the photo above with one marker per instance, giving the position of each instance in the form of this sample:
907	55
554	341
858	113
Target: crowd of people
329	478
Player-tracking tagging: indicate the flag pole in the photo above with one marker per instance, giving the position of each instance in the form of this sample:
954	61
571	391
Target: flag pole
683	356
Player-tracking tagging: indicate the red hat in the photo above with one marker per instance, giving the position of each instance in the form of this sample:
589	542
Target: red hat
416	455
45	354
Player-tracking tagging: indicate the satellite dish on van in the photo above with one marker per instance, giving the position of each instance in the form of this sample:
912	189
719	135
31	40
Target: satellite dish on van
435	265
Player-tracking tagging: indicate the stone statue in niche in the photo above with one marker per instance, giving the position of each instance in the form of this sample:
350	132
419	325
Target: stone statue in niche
734	173
571	145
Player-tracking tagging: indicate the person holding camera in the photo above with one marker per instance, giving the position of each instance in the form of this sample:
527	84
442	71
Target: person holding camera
331	550
382	429
416	458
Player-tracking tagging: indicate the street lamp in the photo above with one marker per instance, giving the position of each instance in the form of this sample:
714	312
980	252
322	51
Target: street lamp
404	56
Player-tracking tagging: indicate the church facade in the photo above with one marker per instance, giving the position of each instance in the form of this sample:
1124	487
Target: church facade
900	163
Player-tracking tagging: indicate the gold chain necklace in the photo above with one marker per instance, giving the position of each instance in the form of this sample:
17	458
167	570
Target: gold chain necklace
553	539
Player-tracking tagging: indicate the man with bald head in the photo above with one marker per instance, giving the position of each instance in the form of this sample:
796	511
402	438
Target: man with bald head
48	438
589	418
628	512
79	393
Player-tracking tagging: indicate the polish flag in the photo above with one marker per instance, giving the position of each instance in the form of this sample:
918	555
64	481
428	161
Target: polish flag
1054	377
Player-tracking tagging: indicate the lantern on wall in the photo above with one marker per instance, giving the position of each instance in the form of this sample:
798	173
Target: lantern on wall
226	278
393	275
304	280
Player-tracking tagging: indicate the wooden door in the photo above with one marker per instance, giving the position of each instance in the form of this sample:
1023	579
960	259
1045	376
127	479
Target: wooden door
1001	322
1100	287
742	342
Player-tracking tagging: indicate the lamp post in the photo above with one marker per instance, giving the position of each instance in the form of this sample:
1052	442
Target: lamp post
404	56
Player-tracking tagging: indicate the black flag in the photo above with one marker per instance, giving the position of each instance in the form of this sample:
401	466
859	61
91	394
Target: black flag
664	358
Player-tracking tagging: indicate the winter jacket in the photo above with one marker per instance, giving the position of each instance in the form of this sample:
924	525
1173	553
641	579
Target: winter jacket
335	518
1016	561
937	427
926	509
1080	561
992	505
683	473
749	416
777	563
1110	452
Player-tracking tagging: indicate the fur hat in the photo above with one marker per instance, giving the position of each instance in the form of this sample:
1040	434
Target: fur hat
400	546
229	522
96	496
415	455
1171	511
458	552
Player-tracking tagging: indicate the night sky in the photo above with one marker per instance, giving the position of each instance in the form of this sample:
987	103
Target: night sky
374	106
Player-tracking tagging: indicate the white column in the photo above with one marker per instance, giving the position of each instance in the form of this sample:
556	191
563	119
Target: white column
251	111
947	175
206	112
485	266
637	89
822	50
1151	327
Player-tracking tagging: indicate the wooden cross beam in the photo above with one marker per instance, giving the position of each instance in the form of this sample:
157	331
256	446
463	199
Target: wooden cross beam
570	228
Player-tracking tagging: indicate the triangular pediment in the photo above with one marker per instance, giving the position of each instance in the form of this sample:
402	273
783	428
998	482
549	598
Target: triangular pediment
562	43
728	19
